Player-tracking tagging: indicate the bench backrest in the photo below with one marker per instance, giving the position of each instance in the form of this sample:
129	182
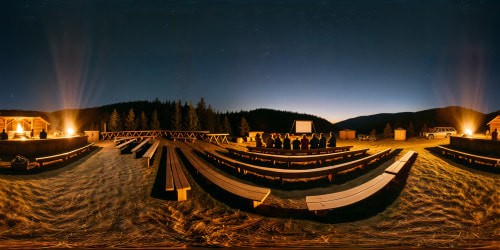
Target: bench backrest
297	158
298	151
297	173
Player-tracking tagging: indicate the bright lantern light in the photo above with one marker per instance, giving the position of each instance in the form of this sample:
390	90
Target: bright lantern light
19	128
468	131
70	131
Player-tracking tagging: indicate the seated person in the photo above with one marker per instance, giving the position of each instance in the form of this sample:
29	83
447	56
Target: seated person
270	142
304	143
322	141
43	134
332	142
296	143
286	142
258	141
3	135
314	142
277	142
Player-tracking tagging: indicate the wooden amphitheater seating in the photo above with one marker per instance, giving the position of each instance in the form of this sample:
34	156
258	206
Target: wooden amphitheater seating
121	147
328	171
256	195
288	159
298	151
139	147
176	180
150	152
471	158
321	204
63	156
184	138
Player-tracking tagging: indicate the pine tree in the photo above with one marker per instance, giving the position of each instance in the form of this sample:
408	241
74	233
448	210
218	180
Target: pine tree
191	121
373	132
411	130
114	121
130	122
388	130
176	117
202	112
226	125
144	121
155	121
211	118
244	127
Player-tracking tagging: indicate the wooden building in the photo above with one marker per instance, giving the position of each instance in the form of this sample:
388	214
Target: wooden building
494	124
26	123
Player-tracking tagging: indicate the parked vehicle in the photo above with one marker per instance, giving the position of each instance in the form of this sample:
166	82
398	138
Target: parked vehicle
440	132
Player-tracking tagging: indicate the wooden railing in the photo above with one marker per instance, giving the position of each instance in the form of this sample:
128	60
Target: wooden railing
154	133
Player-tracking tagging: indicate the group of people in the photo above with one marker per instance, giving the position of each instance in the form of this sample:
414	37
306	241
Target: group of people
275	141
5	136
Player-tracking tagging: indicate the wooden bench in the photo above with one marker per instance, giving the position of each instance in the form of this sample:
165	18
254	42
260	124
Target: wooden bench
184	138
176	180
151	151
471	158
256	195
119	140
402	163
62	157
298	151
138	148
326	202
321	204
328	171
124	145
288	159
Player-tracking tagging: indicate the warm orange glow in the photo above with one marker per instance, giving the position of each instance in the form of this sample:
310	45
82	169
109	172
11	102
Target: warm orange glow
70	131
19	128
468	132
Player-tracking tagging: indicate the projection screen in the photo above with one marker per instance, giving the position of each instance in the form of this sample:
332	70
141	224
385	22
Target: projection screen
303	127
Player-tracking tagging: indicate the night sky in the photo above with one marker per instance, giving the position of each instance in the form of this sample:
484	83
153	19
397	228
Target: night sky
334	59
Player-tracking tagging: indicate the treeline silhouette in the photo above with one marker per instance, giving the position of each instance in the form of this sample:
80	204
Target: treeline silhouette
174	115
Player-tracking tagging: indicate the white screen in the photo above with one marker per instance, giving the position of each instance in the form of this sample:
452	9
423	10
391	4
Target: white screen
303	127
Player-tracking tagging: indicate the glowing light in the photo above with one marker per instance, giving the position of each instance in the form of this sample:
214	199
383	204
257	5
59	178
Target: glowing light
70	131
468	132
19	128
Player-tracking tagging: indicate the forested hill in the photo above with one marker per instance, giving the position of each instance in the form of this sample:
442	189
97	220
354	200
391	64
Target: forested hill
269	120
449	116
172	115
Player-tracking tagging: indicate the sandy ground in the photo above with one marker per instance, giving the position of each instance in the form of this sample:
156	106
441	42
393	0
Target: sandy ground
110	200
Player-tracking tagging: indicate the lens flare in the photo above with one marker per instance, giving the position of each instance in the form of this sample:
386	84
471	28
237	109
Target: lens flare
70	131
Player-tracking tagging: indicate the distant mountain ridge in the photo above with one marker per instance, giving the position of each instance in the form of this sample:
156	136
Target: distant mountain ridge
453	116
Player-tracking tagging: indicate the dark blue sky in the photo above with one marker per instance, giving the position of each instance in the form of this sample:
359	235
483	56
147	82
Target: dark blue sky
335	59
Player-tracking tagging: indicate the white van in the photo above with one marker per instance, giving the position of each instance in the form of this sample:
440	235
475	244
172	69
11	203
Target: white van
440	132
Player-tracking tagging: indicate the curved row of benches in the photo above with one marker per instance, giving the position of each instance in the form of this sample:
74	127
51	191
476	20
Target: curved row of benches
63	156
288	159
471	158
256	195
298	151
328	171
321	204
